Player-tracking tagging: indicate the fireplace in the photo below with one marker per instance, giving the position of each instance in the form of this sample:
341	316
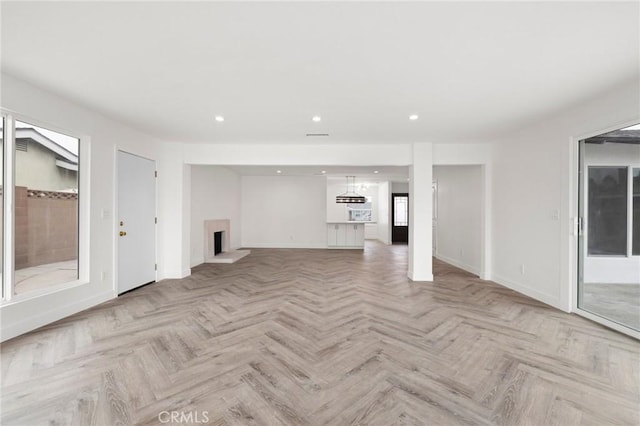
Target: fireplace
217	242
217	246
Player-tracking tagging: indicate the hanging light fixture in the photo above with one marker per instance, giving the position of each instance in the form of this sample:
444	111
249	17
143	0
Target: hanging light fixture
351	196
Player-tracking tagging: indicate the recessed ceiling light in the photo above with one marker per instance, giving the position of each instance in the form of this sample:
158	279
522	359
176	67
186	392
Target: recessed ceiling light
324	172
376	172
219	118
278	171
413	117
316	118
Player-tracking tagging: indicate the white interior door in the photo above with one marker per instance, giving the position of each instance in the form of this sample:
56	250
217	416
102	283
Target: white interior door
136	221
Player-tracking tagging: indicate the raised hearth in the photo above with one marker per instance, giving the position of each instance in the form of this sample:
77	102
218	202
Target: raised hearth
223	254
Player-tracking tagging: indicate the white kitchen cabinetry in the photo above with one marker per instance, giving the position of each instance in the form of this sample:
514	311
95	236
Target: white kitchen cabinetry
345	235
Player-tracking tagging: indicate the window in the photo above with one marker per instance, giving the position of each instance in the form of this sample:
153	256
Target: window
360	212
44	191
607	198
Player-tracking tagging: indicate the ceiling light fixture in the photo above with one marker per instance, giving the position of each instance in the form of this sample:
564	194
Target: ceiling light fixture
278	171
219	118
376	172
324	172
316	118
351	196
413	117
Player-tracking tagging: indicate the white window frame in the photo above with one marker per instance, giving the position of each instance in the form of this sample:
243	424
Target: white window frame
8	273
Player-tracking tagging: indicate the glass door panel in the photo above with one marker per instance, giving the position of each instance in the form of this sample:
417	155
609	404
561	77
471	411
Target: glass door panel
400	218
609	228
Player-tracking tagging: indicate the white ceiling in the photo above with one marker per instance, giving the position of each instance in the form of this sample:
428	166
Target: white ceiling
470	70
364	174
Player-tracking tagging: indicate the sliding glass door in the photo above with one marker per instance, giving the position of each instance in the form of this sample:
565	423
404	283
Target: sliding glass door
609	227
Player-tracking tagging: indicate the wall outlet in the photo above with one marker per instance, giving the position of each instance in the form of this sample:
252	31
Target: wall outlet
522	269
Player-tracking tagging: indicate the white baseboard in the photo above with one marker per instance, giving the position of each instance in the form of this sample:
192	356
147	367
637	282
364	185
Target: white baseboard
285	245
196	262
174	274
11	330
528	291
458	264
428	278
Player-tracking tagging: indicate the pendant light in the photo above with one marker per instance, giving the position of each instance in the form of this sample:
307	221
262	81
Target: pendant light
351	196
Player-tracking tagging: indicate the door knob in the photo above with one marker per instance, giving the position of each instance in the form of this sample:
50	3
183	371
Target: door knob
123	233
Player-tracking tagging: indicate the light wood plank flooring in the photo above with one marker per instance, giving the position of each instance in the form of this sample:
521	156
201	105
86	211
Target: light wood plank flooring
616	302
322	337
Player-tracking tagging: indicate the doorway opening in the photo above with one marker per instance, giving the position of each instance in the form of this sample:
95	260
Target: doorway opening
400	218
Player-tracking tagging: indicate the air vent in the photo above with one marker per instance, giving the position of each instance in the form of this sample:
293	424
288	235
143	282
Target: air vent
21	144
317	134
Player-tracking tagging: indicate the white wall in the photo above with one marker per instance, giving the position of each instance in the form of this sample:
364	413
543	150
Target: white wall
215	194
284	211
534	195
102	136
459	210
399	188
384	213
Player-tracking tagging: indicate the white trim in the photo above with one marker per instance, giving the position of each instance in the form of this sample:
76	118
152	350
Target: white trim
54	314
607	323
486	230
288	245
8	276
458	264
174	274
84	209
43	292
66	165
427	279
528	291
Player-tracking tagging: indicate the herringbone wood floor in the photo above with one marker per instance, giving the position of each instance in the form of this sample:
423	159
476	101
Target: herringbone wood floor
322	337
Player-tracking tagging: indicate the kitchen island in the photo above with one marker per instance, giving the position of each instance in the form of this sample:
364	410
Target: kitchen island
345	235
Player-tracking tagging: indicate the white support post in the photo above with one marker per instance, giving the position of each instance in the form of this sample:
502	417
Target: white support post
420	213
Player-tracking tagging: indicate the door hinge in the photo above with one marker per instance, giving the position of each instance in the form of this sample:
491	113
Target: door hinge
156	221
156	267
156	173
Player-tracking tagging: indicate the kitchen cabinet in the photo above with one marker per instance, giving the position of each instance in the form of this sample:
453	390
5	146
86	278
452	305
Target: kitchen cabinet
345	235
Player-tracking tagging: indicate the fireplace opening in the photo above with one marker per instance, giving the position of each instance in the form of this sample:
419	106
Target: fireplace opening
217	243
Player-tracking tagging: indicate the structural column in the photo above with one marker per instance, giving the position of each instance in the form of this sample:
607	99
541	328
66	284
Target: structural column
420	213
174	213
